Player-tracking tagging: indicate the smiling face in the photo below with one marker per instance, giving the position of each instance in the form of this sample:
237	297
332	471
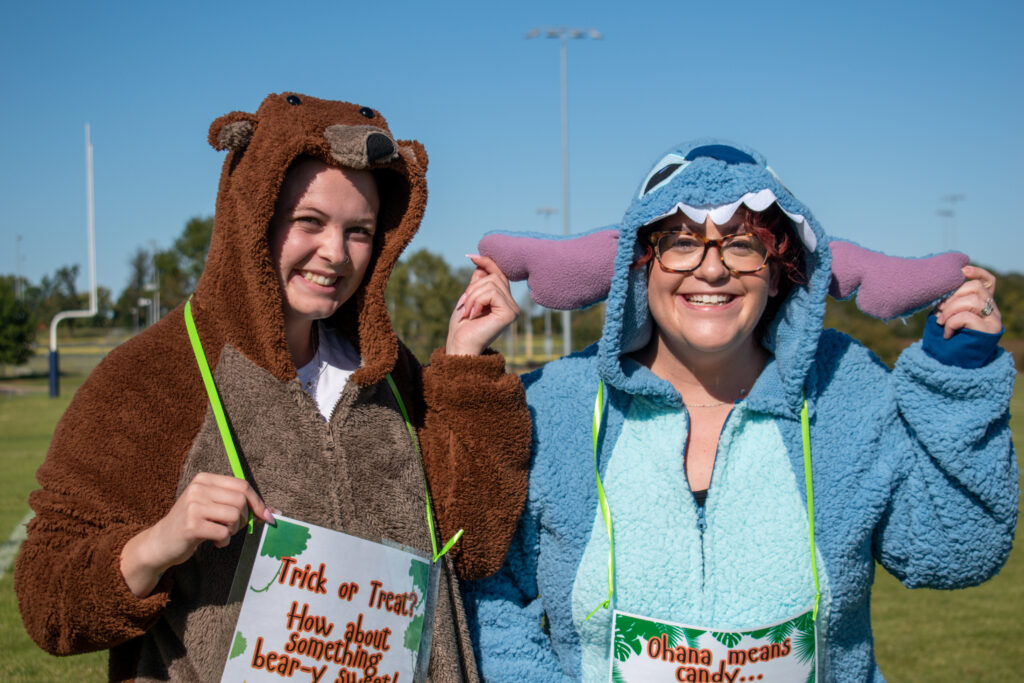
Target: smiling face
321	240
709	313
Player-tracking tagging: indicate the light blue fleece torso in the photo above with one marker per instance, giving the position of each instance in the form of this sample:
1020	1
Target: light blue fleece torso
750	566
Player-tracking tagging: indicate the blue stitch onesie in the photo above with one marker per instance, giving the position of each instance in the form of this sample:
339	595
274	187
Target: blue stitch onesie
913	468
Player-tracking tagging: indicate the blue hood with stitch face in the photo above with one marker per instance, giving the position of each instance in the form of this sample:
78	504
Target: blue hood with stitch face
696	177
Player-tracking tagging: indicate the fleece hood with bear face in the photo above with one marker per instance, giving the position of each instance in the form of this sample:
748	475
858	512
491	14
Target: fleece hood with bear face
238	300
698	178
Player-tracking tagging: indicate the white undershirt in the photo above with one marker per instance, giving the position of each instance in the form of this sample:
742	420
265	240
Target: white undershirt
324	377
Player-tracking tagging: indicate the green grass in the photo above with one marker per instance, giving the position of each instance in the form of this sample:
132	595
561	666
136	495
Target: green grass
920	635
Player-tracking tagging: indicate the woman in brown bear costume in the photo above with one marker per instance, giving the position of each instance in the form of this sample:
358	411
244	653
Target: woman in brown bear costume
136	477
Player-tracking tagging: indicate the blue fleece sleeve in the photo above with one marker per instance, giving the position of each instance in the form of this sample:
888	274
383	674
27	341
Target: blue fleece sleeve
965	349
953	511
506	617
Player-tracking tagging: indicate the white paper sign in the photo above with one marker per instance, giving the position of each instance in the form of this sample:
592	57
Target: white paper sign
649	650
324	606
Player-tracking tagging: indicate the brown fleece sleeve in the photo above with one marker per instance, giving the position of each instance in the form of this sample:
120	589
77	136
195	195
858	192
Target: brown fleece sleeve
110	472
476	450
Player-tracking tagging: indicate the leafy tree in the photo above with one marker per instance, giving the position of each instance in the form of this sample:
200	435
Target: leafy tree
175	271
421	295
175	285
127	307
586	326
55	294
192	247
17	325
104	307
178	268
886	339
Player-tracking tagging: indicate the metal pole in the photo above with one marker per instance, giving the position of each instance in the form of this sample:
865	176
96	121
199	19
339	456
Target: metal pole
546	211
90	218
18	293
566	315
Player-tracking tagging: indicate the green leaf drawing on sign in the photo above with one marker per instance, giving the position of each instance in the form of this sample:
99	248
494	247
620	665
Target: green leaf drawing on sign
285	540
630	631
812	675
775	634
281	541
420	573
804	643
412	634
692	636
727	639
617	676
804	622
238	647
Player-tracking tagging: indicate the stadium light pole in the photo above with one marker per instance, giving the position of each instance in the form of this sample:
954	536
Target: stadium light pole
19	288
549	348
93	304
562	34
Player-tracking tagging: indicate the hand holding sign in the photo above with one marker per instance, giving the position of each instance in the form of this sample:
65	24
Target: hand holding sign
212	507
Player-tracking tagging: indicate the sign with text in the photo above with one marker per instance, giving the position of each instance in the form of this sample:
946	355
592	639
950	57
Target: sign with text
647	650
324	606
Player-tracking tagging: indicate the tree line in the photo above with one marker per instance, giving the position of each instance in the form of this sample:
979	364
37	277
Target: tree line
421	294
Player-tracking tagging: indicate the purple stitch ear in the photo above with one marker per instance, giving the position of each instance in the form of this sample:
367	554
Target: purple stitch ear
564	274
888	286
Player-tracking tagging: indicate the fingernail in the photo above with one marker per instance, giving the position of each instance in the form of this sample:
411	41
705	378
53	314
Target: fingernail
461	301
268	516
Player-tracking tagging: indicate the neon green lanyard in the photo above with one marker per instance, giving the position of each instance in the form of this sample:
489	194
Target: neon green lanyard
606	514
229	442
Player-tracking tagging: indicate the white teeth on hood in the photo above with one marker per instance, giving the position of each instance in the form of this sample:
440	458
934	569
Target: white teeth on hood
755	201
319	279
709	299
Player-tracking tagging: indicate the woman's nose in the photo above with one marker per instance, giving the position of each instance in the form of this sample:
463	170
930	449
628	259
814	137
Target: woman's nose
712	269
334	248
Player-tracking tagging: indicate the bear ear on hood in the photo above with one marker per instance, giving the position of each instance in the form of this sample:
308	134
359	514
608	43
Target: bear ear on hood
232	131
414	153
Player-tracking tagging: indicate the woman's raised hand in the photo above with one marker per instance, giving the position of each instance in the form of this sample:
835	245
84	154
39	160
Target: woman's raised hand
972	305
485	309
213	507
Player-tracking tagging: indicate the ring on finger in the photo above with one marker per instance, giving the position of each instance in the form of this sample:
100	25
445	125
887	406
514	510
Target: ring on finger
987	310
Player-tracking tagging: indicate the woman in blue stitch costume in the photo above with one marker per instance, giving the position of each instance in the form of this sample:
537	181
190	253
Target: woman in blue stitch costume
722	516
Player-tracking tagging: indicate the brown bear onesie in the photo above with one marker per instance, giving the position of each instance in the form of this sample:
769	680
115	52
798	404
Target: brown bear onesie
140	428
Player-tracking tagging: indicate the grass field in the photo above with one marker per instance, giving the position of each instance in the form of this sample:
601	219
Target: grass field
921	635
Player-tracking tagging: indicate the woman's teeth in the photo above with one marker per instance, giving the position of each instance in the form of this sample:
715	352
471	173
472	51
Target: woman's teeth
709	299
319	279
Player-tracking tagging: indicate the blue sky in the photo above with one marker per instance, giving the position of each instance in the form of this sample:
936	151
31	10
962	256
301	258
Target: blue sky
870	112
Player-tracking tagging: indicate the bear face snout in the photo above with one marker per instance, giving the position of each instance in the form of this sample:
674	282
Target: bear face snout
360	146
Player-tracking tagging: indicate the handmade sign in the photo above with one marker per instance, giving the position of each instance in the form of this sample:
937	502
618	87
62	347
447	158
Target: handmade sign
651	651
320	605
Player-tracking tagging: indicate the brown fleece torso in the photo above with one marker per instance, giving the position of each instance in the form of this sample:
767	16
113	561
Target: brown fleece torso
359	474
